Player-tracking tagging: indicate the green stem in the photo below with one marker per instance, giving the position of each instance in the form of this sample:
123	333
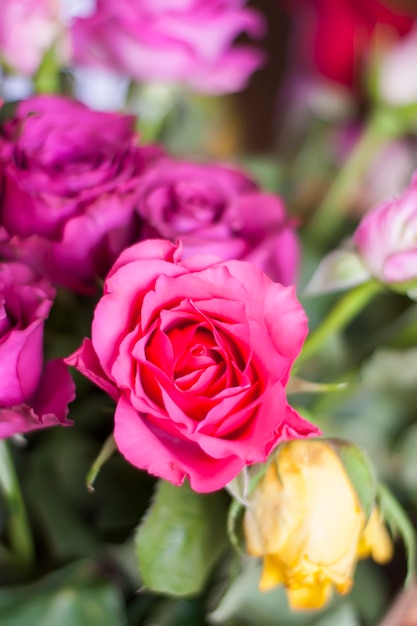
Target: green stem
398	519
20	536
328	218
339	317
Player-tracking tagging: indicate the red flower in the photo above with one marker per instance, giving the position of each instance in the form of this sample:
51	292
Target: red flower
333	37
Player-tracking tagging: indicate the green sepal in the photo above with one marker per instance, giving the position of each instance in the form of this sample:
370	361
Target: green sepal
299	385
105	453
240	488
399	523
360	471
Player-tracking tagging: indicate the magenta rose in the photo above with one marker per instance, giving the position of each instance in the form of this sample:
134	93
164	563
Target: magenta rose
196	353
216	209
187	41
32	395
386	240
69	187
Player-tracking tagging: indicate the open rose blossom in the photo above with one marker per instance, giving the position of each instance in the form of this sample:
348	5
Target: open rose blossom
32	395
69	187
333	38
186	41
216	209
196	354
386	239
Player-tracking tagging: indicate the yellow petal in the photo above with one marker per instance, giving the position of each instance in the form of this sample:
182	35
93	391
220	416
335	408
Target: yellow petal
375	540
309	597
272	574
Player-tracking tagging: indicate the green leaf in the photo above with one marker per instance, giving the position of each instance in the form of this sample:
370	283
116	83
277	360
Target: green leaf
359	470
180	539
75	595
398	521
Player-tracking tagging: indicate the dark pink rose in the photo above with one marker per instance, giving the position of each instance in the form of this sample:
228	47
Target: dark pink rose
217	209
32	395
69	187
197	354
187	41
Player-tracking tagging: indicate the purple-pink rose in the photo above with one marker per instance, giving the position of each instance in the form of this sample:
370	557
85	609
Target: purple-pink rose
386	239
197	354
27	29
218	210
186	41
32	395
69	177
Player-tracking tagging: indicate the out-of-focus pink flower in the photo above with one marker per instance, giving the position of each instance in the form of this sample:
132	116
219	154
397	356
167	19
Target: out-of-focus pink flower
386	239
27	29
197	354
186	41
383	247
333	38
32	395
69	187
219	210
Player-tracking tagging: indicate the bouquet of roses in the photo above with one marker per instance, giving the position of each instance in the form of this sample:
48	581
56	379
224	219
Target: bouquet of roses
224	342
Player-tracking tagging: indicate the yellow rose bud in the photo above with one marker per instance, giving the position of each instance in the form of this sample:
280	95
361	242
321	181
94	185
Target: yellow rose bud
305	519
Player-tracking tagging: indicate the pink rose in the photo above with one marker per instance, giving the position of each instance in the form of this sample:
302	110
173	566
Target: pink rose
196	354
188	41
218	210
386	239
31	396
27	29
69	187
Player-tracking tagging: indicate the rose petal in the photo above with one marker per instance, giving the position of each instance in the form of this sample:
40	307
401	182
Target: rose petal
173	459
86	361
48	407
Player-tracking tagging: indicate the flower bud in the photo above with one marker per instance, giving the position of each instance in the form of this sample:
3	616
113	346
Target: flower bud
386	241
306	521
383	247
